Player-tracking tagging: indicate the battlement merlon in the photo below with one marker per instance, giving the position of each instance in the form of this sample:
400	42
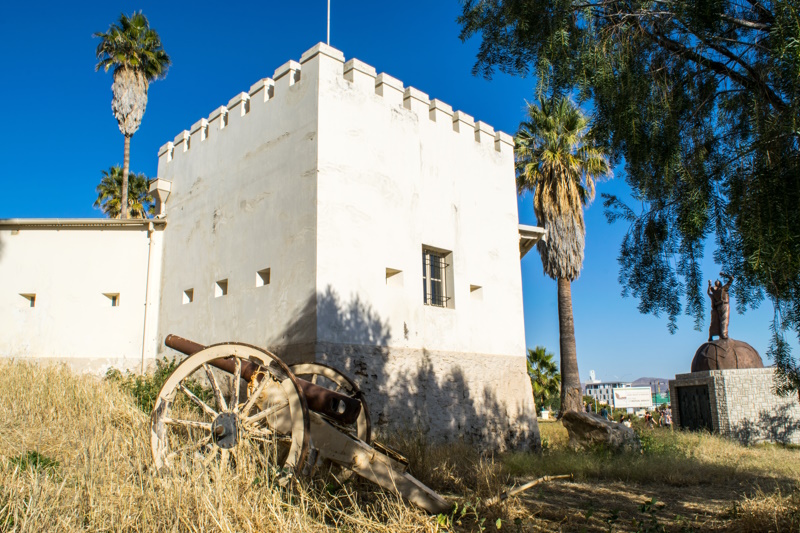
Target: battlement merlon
361	75
325	61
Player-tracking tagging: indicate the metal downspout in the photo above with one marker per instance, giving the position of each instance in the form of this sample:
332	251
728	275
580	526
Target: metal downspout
150	230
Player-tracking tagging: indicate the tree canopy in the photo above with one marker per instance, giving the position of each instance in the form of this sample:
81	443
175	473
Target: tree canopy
545	378
700	100
109	194
131	44
557	162
135	52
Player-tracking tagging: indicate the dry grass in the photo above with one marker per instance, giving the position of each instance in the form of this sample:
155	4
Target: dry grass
673	458
768	512
701	482
74	456
99	475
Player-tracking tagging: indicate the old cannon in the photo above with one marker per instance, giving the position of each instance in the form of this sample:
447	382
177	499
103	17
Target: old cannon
300	416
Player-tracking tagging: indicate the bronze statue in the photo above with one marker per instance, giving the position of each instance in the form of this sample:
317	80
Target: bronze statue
720	307
724	353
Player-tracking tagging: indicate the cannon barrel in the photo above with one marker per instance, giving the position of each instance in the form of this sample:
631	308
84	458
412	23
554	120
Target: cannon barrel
185	346
340	407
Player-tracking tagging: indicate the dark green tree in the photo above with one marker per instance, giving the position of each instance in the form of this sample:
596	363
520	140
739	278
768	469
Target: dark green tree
134	51
545	379
701	101
109	193
556	161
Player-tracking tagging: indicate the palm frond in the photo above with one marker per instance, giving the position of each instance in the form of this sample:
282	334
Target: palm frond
556	161
109	192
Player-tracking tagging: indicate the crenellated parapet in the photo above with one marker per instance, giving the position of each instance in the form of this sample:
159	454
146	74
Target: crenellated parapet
363	78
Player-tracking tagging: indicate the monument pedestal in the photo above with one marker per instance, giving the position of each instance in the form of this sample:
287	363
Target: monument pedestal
739	403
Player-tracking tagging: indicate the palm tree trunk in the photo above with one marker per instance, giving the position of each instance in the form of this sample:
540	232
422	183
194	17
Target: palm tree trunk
571	398
123	208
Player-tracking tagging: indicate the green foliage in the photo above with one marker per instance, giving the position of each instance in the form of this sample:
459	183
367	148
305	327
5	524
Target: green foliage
109	192
649	524
701	102
145	388
467	513
545	379
36	462
132	44
657	442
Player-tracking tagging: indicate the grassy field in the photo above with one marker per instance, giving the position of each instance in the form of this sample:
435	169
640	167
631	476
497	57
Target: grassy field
74	456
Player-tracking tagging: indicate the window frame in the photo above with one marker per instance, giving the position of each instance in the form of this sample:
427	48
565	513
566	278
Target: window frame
437	279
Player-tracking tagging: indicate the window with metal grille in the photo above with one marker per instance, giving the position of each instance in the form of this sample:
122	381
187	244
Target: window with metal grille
435	277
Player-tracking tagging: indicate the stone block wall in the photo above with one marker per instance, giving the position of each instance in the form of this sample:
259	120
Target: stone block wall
481	399
744	405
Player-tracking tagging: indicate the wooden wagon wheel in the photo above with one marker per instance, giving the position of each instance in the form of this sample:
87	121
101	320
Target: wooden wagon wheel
259	400
331	378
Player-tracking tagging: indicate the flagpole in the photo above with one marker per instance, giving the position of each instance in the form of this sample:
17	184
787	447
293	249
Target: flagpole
329	22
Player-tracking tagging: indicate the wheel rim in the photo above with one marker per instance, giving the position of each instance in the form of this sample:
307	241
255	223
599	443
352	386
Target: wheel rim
191	425
325	376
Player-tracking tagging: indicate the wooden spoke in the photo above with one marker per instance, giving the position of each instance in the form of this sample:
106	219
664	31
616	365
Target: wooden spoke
200	403
224	456
331	378
189	424
264	433
210	457
189	447
256	393
178	440
237	377
266	412
215	387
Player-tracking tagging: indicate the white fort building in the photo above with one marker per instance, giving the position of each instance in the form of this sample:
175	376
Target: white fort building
327	214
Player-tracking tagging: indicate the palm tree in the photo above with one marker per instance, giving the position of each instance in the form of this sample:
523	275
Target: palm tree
134	50
109	192
557	161
545	379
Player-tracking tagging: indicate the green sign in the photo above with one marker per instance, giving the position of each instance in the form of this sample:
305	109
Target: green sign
661	398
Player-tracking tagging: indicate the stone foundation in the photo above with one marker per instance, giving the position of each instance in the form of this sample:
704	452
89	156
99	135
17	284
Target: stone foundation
742	404
478	398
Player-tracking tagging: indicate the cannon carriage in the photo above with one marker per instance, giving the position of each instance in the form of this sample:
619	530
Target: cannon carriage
299	417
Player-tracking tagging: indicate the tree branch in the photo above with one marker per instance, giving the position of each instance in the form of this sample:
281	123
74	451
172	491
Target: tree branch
716	66
747	23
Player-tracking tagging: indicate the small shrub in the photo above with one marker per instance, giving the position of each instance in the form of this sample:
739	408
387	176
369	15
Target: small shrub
36	462
649	523
145	388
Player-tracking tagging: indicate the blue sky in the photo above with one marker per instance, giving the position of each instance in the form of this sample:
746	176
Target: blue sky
58	133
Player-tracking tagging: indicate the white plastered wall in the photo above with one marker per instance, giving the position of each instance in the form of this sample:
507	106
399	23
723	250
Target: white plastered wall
397	172
328	179
71	269
243	199
391	180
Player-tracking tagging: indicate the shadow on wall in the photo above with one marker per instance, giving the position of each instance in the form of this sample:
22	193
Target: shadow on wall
778	426
406	389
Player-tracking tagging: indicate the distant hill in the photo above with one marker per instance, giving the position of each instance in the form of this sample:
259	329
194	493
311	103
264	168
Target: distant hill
653	382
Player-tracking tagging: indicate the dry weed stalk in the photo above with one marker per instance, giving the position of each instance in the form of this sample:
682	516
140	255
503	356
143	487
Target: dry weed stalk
767	512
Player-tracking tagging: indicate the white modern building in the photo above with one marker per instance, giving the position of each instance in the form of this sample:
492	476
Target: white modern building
329	213
603	391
